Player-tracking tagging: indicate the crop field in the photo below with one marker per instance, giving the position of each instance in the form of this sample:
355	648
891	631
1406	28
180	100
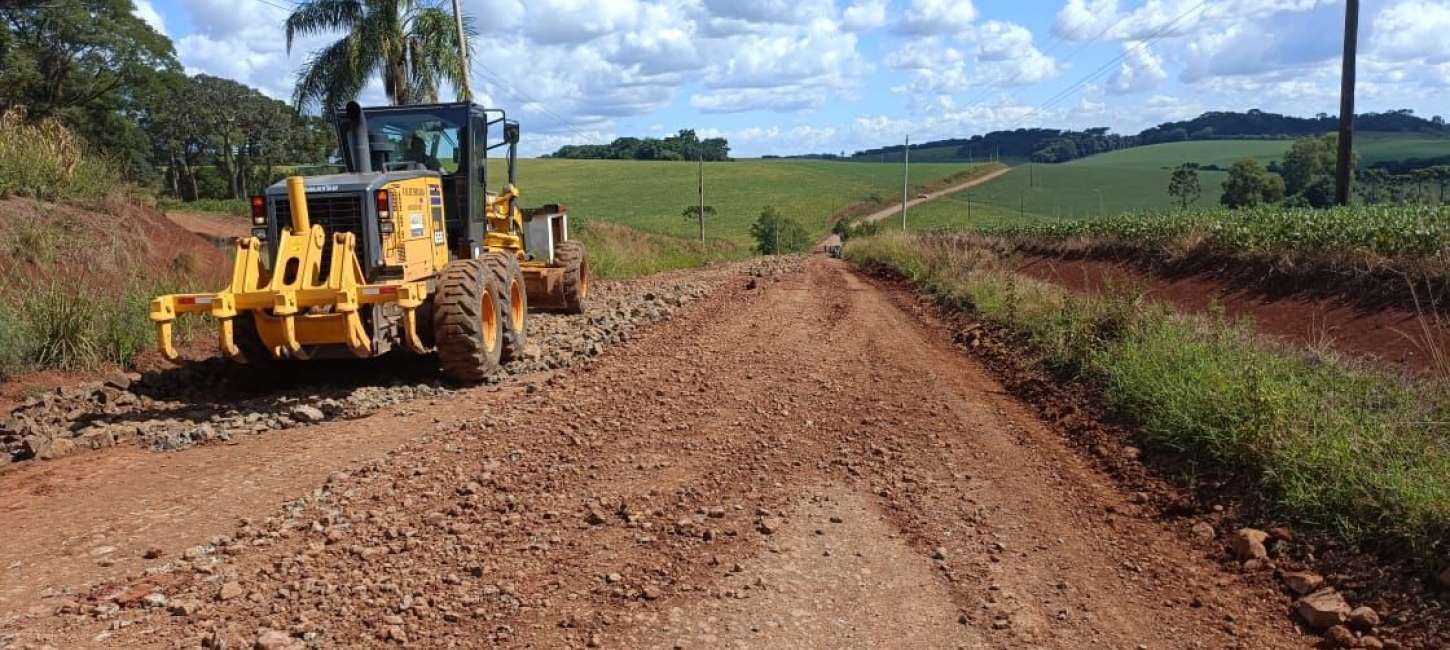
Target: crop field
650	195
1399	233
961	210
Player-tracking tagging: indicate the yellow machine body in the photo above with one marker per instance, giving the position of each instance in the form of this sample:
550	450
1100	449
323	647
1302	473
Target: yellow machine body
297	303
406	248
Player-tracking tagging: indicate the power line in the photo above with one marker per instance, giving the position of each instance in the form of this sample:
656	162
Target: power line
1156	36
540	106
272	3
981	97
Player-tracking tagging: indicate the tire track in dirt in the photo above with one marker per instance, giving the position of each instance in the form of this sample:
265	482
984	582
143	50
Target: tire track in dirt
685	490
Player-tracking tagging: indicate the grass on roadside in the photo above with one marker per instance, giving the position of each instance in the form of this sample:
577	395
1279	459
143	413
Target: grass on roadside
1332	444
47	161
619	252
49	323
229	207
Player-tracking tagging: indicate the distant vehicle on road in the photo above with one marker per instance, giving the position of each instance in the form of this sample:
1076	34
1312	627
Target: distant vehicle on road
922	196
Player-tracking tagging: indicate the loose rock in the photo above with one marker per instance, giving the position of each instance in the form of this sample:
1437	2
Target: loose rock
1322	609
1303	582
1248	544
1364	618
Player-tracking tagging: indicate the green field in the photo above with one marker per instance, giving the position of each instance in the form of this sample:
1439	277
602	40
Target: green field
1136	179
650	195
953	212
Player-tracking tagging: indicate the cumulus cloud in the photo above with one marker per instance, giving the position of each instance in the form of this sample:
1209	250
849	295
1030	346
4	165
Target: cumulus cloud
565	22
864	15
1415	30
1006	56
935	67
937	17
148	13
1140	70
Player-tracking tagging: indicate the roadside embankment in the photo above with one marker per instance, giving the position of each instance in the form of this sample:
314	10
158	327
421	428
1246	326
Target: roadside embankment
1328	443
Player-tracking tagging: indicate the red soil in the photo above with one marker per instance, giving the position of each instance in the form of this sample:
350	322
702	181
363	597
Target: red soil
1388	337
101	252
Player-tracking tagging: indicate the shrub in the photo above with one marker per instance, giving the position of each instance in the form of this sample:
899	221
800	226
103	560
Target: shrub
775	233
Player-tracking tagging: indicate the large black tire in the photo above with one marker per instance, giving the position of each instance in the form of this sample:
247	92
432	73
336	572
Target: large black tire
467	326
514	308
571	256
244	334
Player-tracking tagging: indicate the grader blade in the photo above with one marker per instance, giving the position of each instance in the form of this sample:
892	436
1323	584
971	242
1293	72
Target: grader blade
294	306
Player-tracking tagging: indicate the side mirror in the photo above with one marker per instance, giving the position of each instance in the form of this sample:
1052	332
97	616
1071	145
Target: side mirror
511	133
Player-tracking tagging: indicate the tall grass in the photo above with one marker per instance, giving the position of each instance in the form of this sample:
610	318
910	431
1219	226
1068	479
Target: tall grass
619	252
1332	444
54	323
47	161
231	207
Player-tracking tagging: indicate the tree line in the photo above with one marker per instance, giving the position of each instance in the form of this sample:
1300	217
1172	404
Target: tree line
684	145
1055	145
107	75
1305	178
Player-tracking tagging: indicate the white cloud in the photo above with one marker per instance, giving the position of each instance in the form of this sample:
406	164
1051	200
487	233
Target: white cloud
148	13
938	17
1415	30
864	15
1006	56
788	12
1139	71
564	22
935	67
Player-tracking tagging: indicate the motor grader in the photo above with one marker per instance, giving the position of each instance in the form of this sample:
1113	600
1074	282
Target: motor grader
408	248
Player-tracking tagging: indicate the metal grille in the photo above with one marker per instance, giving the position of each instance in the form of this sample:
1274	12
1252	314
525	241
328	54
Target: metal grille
335	213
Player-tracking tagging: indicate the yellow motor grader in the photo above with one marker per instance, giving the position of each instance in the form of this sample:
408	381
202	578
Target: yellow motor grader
408	248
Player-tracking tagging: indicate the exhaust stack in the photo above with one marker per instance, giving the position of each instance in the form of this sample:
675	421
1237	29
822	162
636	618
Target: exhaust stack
361	147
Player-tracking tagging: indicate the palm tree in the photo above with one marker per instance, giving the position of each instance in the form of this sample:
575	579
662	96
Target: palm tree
412	43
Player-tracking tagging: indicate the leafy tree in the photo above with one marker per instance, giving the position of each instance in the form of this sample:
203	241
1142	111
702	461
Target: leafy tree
87	63
412	44
775	233
1184	184
221	139
1249	184
684	145
693	212
1309	158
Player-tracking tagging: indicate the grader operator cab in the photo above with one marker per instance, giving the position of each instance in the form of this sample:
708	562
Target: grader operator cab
410	247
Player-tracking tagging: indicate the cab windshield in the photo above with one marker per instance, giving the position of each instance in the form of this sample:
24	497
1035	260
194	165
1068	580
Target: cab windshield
422	140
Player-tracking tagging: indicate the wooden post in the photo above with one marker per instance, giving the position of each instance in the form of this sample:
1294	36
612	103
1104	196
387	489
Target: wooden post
1344	170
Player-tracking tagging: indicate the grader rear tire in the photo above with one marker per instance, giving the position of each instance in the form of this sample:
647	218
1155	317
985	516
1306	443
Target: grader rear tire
571	256
514	310
467	322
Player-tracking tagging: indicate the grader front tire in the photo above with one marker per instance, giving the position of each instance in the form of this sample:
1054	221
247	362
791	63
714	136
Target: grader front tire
571	256
515	304
468	322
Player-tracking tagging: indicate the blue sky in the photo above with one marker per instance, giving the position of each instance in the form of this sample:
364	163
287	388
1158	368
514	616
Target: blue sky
792	76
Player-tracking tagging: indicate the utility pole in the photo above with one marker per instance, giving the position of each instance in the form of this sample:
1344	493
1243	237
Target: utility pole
905	178
463	54
1344	172
702	192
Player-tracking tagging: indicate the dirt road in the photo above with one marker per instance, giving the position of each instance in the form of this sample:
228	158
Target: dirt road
932	196
805	463
218	228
